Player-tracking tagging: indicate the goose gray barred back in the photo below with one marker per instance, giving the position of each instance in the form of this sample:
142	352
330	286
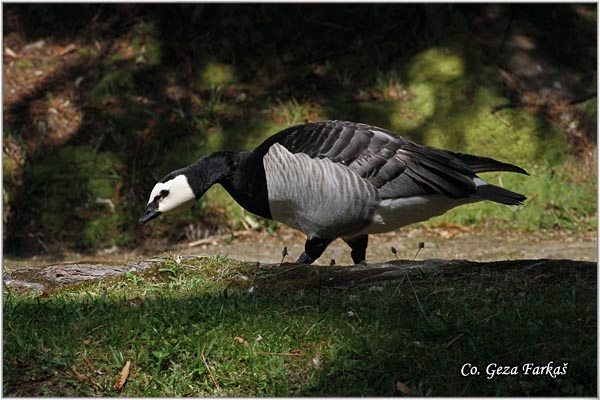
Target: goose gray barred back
337	179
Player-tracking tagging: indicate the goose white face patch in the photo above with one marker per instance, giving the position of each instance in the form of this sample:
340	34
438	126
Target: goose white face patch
173	195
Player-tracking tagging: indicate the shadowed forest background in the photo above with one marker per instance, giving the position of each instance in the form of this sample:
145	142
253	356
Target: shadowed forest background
100	101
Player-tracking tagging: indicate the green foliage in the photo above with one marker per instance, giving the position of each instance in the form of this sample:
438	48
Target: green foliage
77	190
146	44
113	81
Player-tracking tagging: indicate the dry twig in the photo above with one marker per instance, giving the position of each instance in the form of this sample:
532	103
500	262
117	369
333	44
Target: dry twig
212	376
212	239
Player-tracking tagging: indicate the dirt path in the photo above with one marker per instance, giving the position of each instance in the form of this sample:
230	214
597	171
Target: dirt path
451	242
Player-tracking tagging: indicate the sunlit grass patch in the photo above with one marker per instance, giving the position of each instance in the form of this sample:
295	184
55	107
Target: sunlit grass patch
215	74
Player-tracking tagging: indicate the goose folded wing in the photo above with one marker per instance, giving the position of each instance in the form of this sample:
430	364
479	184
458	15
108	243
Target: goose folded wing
394	165
429	171
338	141
314	139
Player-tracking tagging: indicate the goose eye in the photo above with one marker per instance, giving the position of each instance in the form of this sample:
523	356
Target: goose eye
161	195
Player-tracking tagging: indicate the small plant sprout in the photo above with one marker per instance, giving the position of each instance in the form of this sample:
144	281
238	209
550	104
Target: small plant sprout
395	252
284	253
421	246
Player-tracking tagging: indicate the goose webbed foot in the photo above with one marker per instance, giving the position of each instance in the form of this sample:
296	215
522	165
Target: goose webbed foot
305	259
358	244
313	248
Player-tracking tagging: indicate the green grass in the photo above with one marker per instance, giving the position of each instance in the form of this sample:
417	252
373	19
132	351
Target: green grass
215	327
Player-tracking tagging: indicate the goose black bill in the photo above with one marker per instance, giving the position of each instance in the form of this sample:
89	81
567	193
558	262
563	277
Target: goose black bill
150	214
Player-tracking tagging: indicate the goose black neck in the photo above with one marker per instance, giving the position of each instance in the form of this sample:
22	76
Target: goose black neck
208	170
242	175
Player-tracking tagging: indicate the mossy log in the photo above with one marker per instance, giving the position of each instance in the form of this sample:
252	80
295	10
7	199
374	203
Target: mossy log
291	275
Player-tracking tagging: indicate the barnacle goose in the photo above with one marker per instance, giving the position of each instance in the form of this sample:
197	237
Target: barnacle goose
337	179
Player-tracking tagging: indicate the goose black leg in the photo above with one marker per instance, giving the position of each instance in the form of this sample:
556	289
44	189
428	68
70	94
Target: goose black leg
313	248
358	244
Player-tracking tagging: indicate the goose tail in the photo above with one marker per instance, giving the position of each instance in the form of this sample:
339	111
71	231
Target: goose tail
485	164
499	195
492	192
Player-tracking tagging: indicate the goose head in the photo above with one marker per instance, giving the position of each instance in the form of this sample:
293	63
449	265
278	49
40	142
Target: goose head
172	194
179	189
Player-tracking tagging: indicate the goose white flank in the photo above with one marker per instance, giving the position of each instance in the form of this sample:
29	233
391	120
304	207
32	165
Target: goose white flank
337	179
